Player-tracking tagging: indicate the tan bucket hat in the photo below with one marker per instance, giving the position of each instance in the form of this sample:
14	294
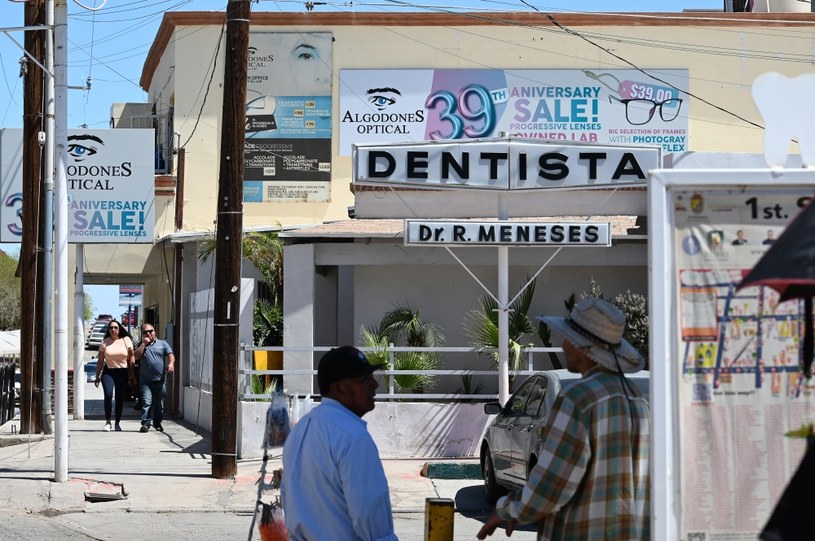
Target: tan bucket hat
596	326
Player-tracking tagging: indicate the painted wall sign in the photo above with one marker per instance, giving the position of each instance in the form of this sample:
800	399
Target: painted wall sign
496	233
602	106
111	186
502	164
287	155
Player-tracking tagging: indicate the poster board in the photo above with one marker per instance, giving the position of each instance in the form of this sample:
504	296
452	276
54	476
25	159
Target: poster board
110	177
725	383
287	153
619	106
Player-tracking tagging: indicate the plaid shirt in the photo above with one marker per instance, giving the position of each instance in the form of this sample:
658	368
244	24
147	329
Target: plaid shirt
592	479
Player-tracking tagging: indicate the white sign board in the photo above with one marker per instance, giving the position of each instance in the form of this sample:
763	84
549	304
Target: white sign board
625	106
726	384
496	233
503	164
130	295
111	186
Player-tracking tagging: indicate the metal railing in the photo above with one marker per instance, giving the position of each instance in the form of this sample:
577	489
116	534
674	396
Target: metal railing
247	371
164	139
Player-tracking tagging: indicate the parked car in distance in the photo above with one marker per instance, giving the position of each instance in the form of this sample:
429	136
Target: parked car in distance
129	318
97	335
103	317
90	369
511	442
97	325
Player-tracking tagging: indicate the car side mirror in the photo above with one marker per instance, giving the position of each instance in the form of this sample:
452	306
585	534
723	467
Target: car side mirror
492	408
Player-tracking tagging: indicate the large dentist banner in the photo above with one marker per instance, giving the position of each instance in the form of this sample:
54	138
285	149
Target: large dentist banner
111	186
599	106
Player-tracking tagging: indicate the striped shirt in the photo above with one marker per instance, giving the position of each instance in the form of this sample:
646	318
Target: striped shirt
592	479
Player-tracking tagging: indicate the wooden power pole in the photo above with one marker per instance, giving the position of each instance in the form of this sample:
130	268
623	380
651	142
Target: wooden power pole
228	244
30	369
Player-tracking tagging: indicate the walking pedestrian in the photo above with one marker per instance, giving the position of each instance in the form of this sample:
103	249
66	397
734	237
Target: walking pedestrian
334	487
152	352
591	481
114	368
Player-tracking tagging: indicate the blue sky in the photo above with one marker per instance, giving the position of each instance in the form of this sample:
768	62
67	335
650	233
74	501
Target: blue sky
109	47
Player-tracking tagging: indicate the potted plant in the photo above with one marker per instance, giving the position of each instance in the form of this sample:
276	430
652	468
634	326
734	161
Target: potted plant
403	326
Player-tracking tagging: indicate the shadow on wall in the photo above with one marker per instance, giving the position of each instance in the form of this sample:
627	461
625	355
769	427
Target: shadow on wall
427	429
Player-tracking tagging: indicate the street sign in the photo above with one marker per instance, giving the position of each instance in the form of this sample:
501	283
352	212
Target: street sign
130	295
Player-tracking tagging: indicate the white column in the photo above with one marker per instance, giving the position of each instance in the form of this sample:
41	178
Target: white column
503	313
79	335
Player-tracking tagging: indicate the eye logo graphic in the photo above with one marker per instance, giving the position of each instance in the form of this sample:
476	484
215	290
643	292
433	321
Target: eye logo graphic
82	146
382	98
253	51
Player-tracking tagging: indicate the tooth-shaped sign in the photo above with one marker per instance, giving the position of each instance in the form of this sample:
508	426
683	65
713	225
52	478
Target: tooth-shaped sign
786	106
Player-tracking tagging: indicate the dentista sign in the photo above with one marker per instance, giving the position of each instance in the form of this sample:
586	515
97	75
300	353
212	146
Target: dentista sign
497	233
503	164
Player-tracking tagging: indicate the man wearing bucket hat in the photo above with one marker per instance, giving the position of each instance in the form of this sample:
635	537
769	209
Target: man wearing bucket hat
592	478
334	486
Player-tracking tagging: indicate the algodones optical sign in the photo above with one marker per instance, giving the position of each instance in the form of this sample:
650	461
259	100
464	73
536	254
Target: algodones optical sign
628	107
503	164
110	181
497	233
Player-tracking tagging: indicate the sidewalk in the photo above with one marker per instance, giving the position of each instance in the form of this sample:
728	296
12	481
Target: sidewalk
169	471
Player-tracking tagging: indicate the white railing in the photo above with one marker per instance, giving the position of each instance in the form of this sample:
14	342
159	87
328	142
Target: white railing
247	371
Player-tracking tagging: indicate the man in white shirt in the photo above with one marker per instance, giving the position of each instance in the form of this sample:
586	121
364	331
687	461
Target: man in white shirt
334	487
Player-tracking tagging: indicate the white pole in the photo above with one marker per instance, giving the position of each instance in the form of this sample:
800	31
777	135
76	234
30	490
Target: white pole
60	242
48	209
79	335
665	479
503	310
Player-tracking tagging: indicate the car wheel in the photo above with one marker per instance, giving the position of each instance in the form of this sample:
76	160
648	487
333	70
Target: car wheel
492	489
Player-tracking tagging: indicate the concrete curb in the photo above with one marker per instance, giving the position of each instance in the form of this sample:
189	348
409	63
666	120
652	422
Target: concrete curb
452	470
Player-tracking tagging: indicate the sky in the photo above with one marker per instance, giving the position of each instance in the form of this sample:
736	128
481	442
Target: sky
108	41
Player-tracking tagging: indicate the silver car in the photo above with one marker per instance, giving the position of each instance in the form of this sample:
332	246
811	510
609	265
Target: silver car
510	446
97	335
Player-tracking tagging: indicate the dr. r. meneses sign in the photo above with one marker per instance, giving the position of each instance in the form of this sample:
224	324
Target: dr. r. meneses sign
496	233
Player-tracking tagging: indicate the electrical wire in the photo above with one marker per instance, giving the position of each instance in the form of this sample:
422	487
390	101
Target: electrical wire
654	77
88	8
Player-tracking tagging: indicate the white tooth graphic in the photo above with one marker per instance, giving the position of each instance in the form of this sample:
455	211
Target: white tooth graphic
786	106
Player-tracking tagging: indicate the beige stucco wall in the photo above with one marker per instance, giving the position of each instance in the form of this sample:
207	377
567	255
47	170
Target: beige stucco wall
722	61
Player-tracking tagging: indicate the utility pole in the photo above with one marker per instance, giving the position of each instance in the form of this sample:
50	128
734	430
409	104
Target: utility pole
61	241
31	368
228	244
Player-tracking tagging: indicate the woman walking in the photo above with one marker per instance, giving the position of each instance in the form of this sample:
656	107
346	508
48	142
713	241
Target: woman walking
114	369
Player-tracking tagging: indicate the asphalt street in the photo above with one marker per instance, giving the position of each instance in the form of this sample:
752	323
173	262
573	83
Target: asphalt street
170	491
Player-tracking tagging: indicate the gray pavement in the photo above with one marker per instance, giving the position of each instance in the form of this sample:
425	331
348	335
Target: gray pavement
171	473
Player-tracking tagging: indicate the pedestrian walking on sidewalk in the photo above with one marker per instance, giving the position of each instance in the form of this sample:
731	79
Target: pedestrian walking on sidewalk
114	368
592	480
153	353
334	486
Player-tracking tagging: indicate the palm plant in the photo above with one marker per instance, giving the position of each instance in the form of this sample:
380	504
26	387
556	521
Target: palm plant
262	385
545	333
264	251
267	323
403	326
482	326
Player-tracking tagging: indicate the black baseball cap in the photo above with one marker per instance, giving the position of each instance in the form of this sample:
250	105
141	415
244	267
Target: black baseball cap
343	363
